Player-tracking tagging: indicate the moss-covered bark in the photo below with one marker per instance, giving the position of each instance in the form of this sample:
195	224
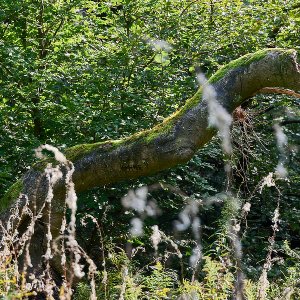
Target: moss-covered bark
168	144
176	139
11	195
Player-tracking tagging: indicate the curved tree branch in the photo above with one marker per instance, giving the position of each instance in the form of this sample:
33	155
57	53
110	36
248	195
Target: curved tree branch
177	139
168	144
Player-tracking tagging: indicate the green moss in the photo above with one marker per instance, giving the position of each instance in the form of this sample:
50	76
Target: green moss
240	62
158	130
76	152
11	195
243	61
146	136
42	164
190	103
138	136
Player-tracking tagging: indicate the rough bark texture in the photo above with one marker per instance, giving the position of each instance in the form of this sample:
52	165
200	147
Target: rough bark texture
175	140
168	144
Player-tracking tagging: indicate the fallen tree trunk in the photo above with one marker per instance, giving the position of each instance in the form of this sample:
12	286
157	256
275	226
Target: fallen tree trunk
168	144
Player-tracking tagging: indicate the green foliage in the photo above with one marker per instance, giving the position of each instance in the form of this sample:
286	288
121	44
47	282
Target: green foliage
217	281
10	287
83	72
161	283
12	194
